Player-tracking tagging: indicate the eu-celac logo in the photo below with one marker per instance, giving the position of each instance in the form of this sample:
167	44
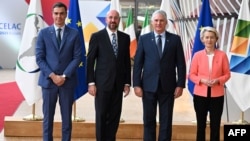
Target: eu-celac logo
26	60
240	59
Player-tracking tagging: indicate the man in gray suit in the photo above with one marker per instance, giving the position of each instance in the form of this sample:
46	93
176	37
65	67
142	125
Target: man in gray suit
58	54
108	75
159	76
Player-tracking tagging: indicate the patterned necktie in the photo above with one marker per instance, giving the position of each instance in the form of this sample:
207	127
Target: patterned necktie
59	36
114	44
159	45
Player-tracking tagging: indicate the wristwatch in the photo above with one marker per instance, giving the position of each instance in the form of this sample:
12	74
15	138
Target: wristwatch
64	76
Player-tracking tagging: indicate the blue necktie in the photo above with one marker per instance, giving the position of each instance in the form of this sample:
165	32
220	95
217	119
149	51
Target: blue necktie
114	44
159	45
59	36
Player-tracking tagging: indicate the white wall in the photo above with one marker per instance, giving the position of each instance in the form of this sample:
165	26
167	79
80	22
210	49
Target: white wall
12	18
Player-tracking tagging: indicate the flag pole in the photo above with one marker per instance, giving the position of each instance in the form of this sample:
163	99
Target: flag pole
33	116
225	91
75	118
242	120
122	120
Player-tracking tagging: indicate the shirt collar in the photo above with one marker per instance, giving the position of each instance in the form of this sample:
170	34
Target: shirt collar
162	34
110	32
58	27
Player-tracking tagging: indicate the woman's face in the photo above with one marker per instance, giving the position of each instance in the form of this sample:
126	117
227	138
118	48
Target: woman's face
209	39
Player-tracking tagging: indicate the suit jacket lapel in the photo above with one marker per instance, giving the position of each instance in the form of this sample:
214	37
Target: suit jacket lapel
52	34
108	42
65	36
154	45
166	44
119	39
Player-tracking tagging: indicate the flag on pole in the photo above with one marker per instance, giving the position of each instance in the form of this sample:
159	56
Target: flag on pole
205	19
240	59
74	21
130	30
115	5
27	71
165	5
146	25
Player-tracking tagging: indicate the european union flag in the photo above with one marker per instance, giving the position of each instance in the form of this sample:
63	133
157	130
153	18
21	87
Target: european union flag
205	19
74	21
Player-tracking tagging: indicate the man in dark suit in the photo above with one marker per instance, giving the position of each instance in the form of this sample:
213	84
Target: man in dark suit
108	75
159	76
58	55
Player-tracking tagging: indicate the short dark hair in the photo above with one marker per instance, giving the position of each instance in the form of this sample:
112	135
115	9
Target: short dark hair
60	4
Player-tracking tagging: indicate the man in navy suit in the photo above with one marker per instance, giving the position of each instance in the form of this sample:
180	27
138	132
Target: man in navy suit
58	55
159	76
108	75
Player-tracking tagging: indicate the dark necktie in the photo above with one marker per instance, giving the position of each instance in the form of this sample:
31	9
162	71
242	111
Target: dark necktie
59	36
114	44
159	45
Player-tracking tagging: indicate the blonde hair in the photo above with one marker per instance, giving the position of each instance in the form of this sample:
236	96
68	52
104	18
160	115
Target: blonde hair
208	29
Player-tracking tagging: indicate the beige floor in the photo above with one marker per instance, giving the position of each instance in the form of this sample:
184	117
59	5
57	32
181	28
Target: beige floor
132	107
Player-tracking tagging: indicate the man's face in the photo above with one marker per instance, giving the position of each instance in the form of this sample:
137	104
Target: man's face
159	23
59	16
112	20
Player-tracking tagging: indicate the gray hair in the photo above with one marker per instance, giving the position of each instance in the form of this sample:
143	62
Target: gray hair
209	29
162	12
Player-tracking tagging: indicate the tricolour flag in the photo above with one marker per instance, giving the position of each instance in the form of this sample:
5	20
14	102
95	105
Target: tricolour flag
205	19
115	5
130	30
146	25
165	5
74	21
27	71
240	59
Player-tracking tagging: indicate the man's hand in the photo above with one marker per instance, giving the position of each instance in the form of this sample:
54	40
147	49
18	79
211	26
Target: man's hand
138	91
92	90
57	79
178	92
126	90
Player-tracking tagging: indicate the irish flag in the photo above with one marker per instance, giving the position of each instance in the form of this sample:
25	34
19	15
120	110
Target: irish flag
146	25
238	84
130	30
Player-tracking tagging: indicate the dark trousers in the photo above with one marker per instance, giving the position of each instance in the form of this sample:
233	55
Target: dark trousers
108	105
66	97
166	103
213	105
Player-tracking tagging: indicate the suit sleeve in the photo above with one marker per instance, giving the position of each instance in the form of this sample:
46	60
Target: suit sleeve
193	71
225	69
91	56
41	54
181	64
128	62
138	64
77	55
